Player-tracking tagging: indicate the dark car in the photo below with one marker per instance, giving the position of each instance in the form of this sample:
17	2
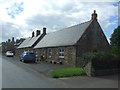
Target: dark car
27	57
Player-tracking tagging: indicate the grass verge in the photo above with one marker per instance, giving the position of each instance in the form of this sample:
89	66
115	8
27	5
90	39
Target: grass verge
66	72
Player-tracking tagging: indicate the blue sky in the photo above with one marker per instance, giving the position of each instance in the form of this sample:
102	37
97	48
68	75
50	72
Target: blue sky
119	13
15	9
24	16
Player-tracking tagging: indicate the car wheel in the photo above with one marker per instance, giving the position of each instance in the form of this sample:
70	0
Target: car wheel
23	60
34	61
20	58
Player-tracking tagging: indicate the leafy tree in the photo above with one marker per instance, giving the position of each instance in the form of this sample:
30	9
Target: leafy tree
115	38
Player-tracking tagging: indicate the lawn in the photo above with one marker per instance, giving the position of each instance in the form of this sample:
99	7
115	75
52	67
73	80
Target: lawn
67	72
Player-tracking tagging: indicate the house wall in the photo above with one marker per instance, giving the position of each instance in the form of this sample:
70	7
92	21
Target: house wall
8	46
69	55
93	39
21	50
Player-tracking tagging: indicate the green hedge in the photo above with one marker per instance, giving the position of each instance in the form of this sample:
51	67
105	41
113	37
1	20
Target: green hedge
100	60
105	62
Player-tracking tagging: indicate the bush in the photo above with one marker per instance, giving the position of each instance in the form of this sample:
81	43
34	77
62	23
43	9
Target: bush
105	62
115	51
67	72
100	60
89	56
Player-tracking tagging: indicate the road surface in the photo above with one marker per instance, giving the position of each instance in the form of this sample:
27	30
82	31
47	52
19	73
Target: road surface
16	74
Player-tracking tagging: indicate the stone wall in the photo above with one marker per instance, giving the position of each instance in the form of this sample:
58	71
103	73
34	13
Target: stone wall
90	71
21	50
69	55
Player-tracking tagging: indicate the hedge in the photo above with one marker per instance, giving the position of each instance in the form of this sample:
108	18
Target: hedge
100	60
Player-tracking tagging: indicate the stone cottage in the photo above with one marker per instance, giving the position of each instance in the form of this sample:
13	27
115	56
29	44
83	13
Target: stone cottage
29	43
67	45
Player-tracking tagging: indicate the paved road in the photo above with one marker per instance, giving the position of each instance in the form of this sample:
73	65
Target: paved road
21	76
16	74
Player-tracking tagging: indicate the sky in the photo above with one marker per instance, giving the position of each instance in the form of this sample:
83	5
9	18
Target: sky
19	18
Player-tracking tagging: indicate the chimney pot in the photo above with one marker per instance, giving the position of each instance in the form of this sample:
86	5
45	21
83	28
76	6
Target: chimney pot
9	40
13	39
44	30
94	15
37	33
33	34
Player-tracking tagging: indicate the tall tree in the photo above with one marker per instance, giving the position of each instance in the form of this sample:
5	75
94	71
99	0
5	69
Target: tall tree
115	38
115	41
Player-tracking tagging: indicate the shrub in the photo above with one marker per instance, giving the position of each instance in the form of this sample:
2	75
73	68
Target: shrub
105	62
42	58
87	57
115	51
100	60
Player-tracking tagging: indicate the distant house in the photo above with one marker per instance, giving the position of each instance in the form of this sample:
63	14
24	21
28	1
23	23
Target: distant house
18	42
29	43
11	45
69	44
8	45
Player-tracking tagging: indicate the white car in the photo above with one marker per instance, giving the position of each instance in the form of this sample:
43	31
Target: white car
9	54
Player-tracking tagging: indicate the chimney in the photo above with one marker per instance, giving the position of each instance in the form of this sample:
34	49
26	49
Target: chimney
13	39
9	40
37	33
94	15
33	34
44	31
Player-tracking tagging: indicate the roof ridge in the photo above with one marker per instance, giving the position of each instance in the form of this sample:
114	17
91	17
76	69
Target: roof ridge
68	27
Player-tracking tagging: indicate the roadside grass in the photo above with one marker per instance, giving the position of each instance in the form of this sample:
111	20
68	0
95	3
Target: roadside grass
66	72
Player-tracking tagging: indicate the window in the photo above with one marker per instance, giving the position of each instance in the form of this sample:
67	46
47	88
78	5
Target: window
49	52
61	53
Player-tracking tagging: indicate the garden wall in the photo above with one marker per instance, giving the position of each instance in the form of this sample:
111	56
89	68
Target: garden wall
100	63
97	68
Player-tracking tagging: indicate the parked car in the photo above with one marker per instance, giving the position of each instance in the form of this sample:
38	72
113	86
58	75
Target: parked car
9	54
27	57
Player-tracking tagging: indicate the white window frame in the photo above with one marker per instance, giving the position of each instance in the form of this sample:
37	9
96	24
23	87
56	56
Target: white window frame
49	52
61	53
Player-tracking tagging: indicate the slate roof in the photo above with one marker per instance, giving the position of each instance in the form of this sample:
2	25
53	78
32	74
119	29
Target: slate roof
28	42
64	37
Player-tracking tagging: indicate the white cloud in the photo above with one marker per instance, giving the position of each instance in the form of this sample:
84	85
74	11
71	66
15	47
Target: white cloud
54	14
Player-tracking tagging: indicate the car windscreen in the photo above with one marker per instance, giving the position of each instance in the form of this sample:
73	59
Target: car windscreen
10	52
31	53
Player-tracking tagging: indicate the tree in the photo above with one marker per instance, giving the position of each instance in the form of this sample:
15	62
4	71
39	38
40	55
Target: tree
115	41
115	38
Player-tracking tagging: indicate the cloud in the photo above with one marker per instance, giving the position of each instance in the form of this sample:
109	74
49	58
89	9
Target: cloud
10	30
53	14
15	9
71	13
